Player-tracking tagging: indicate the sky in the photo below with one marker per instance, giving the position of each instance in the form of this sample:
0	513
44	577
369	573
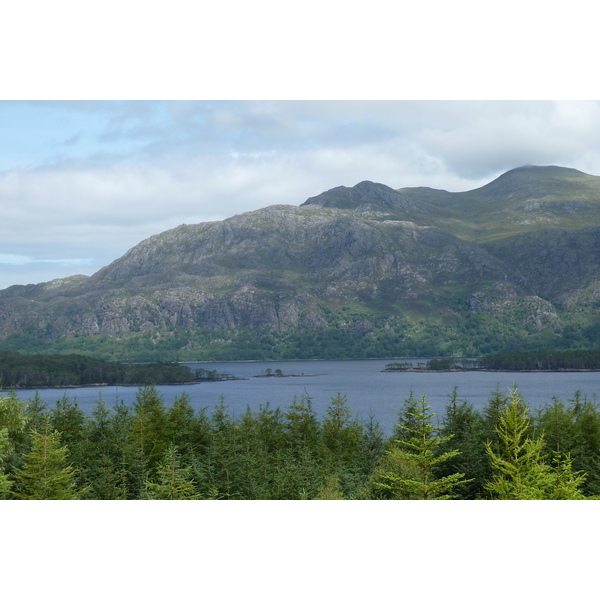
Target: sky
121	122
83	181
269	106
273	103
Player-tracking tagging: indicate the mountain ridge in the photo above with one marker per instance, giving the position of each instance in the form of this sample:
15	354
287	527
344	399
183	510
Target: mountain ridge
377	271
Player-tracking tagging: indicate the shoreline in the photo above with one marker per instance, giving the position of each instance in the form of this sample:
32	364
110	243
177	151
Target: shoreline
490	370
92	385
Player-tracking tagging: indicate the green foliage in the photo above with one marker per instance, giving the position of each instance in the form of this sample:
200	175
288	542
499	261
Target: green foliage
151	451
461	432
173	482
341	434
520	472
102	453
330	490
149	435
572	432
417	456
388	475
400	331
45	474
13	416
5	482
543	360
56	370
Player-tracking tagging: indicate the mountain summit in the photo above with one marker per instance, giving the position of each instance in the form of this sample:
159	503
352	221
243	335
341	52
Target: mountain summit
352	272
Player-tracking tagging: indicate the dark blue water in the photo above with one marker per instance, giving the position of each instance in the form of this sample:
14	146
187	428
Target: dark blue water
367	389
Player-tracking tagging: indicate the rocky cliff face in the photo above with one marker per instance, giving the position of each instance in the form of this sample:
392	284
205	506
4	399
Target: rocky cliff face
384	253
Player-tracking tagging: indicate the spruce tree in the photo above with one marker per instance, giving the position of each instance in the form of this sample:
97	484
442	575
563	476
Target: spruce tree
416	455
341	433
172	481
330	490
34	410
149	428
45	474
461	426
102	455
13	417
520	472
222	452
5	482
180	424
585	450
301	471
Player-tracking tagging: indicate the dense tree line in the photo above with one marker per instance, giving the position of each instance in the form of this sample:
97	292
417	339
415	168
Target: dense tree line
151	451
60	370
543	361
565	360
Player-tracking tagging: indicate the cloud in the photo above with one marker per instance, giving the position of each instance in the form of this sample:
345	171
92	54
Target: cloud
20	260
93	179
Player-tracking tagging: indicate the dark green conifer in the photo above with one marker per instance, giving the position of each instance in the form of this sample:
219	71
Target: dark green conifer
520	472
172	480
5	482
46	475
416	455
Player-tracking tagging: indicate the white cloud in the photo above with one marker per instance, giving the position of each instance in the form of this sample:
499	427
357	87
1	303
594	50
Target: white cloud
143	168
20	260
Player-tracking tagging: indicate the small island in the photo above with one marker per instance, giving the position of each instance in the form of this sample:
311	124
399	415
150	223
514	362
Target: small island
203	375
280	373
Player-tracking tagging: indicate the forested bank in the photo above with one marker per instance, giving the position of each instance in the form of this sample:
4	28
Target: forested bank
68	370
539	360
565	360
150	451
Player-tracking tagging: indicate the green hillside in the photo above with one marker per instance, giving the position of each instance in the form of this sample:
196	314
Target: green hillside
366	271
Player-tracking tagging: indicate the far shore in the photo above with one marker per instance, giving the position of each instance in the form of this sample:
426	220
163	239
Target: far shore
490	370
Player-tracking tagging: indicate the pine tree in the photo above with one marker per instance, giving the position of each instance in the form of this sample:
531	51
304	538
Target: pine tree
180	424
406	417
70	421
45	474
341	434
13	417
330	490
556	422
102	455
383	484
149	425
461	426
35	411
520	472
222	452
417	455
372	449
300	472
173	482
5	482
257	461
585	450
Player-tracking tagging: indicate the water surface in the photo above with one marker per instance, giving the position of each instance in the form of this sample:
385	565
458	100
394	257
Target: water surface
366	387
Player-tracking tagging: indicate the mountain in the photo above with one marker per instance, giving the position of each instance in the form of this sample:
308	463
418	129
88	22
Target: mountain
352	272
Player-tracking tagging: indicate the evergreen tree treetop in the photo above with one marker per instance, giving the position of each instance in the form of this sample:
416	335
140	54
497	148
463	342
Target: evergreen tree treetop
418	451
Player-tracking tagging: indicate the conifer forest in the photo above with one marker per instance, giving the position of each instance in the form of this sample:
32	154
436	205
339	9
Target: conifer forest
149	451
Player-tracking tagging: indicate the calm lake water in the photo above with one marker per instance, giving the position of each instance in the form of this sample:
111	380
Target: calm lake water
368	389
